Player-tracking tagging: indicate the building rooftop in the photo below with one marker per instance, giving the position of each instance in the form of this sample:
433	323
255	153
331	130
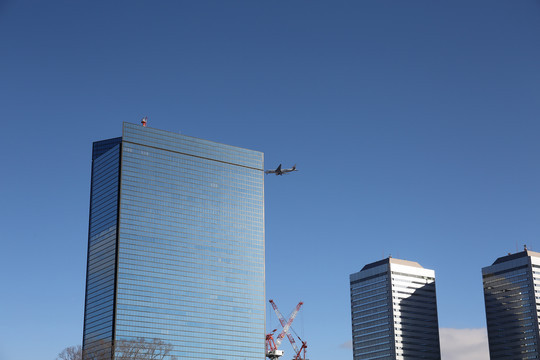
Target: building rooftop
391	260
518	255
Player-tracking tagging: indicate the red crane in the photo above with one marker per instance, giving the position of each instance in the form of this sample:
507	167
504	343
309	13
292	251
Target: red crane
299	351
272	351
286	326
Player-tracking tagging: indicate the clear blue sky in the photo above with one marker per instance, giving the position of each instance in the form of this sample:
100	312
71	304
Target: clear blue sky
415	126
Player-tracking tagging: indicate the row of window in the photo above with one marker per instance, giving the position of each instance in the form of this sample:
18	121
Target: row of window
197	147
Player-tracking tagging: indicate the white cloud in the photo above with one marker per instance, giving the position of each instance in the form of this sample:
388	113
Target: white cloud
464	344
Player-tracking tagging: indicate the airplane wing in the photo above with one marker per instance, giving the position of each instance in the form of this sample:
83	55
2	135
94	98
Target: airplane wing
278	171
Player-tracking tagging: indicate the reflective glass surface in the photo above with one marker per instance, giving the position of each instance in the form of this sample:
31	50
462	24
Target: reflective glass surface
191	245
372	318
99	311
511	309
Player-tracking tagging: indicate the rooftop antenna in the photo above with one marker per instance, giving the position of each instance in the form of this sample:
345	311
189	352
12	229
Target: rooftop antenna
525	247
144	120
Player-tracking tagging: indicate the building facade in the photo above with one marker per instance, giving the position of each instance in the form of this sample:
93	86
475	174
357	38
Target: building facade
511	287
394	312
175	248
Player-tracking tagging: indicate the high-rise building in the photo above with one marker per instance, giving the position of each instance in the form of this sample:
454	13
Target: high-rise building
175	248
394	312
511	288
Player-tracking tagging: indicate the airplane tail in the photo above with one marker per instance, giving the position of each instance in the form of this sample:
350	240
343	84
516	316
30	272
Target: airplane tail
294	167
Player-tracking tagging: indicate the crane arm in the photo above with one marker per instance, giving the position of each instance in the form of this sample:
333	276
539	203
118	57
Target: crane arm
286	325
278	313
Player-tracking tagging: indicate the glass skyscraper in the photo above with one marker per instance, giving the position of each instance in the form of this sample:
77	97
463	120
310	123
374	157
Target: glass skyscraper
175	247
511	294
394	312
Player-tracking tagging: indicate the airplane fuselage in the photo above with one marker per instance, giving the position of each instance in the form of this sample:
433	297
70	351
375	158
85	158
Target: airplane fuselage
280	171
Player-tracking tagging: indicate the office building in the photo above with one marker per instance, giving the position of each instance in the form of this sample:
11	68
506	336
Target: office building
511	287
394	312
175	247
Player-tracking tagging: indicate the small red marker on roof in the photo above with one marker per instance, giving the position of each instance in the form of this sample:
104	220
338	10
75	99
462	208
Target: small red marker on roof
143	121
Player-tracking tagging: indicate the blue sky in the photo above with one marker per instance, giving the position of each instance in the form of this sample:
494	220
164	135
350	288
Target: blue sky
414	126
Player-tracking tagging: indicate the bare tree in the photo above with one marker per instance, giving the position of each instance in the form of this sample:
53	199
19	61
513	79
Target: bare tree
130	349
143	349
98	350
71	353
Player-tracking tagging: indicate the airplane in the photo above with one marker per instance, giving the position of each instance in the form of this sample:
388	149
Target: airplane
280	171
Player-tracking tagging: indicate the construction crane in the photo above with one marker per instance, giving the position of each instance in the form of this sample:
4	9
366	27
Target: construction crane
272	351
297	352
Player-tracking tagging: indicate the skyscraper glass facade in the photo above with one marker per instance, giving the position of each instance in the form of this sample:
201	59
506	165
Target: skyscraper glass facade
102	236
511	287
187	248
394	312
